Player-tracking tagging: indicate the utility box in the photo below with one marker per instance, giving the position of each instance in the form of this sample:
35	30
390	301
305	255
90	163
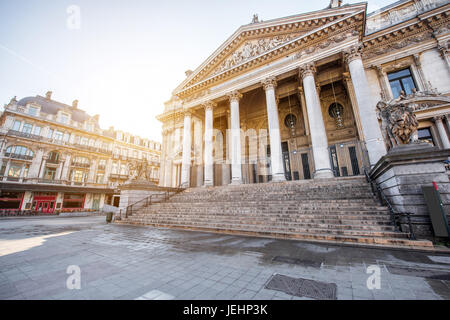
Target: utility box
436	210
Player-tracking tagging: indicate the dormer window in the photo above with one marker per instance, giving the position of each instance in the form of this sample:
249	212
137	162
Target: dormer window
64	118
33	111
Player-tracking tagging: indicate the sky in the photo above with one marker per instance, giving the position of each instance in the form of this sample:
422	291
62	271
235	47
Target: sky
121	58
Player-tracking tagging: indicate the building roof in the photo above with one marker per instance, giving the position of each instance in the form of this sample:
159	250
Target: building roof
52	107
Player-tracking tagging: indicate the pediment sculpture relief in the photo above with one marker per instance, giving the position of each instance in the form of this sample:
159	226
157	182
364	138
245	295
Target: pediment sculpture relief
252	49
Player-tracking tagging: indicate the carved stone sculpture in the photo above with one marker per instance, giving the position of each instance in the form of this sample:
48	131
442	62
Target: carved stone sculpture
138	170
398	121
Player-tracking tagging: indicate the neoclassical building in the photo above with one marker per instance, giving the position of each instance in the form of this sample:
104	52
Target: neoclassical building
296	97
55	157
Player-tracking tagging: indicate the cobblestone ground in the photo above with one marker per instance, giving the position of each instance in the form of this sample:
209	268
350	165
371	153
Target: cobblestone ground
127	262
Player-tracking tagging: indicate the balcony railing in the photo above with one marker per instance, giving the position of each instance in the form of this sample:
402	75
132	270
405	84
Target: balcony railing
24	135
80	164
18	156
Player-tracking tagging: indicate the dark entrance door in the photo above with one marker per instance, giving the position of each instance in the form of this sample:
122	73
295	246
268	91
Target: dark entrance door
286	161
334	161
354	160
305	165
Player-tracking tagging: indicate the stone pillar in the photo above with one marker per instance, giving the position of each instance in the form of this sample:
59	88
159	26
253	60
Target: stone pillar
168	162
5	176
442	133
59	170
319	139
386	93
92	169
236	169
187	145
209	163
198	147
367	110
301	95
36	164
276	156
65	170
351	94
418	64
445	54
22	169
42	169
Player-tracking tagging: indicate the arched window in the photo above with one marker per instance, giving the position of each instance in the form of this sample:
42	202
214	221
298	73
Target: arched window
19	152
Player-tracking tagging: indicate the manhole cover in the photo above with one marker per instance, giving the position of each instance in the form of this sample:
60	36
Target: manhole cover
301	262
303	287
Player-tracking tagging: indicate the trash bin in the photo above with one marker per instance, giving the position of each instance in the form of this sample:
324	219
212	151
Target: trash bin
109	216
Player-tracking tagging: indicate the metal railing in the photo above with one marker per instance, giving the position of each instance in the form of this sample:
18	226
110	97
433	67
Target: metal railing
395	215
152	199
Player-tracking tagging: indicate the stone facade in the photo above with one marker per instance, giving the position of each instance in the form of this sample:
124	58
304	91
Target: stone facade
55	157
295	98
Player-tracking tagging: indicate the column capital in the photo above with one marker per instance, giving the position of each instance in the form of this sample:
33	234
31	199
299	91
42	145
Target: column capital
308	69
443	50
209	105
187	113
439	118
353	53
234	96
269	83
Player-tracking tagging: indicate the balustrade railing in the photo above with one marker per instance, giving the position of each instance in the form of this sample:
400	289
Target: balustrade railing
395	215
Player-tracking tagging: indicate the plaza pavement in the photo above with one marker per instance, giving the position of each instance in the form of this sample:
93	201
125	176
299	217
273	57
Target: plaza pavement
128	262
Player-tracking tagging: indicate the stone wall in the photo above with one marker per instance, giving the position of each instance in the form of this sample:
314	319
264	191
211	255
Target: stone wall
401	175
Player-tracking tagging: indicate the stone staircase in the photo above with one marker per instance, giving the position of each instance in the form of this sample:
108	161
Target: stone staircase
341	210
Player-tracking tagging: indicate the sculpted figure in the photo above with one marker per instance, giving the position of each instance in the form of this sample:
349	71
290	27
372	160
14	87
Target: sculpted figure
398	122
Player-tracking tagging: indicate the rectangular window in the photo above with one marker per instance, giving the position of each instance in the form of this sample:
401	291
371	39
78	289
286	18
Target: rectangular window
84	141
100	178
37	130
50	173
58	135
16	125
50	133
27	128
33	111
425	135
64	118
14	171
401	81
66	137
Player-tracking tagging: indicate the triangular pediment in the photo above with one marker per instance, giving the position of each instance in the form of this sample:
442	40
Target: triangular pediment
256	39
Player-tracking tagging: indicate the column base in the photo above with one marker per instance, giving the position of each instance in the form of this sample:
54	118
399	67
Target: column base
323	174
235	182
279	177
208	184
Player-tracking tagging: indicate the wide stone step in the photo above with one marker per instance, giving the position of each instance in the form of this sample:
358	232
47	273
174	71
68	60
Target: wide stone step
351	220
366	240
269	223
264	227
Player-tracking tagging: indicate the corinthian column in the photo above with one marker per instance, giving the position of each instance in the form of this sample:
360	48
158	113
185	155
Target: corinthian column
187	142
269	85
319	139
367	110
236	169
442	133
209	173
